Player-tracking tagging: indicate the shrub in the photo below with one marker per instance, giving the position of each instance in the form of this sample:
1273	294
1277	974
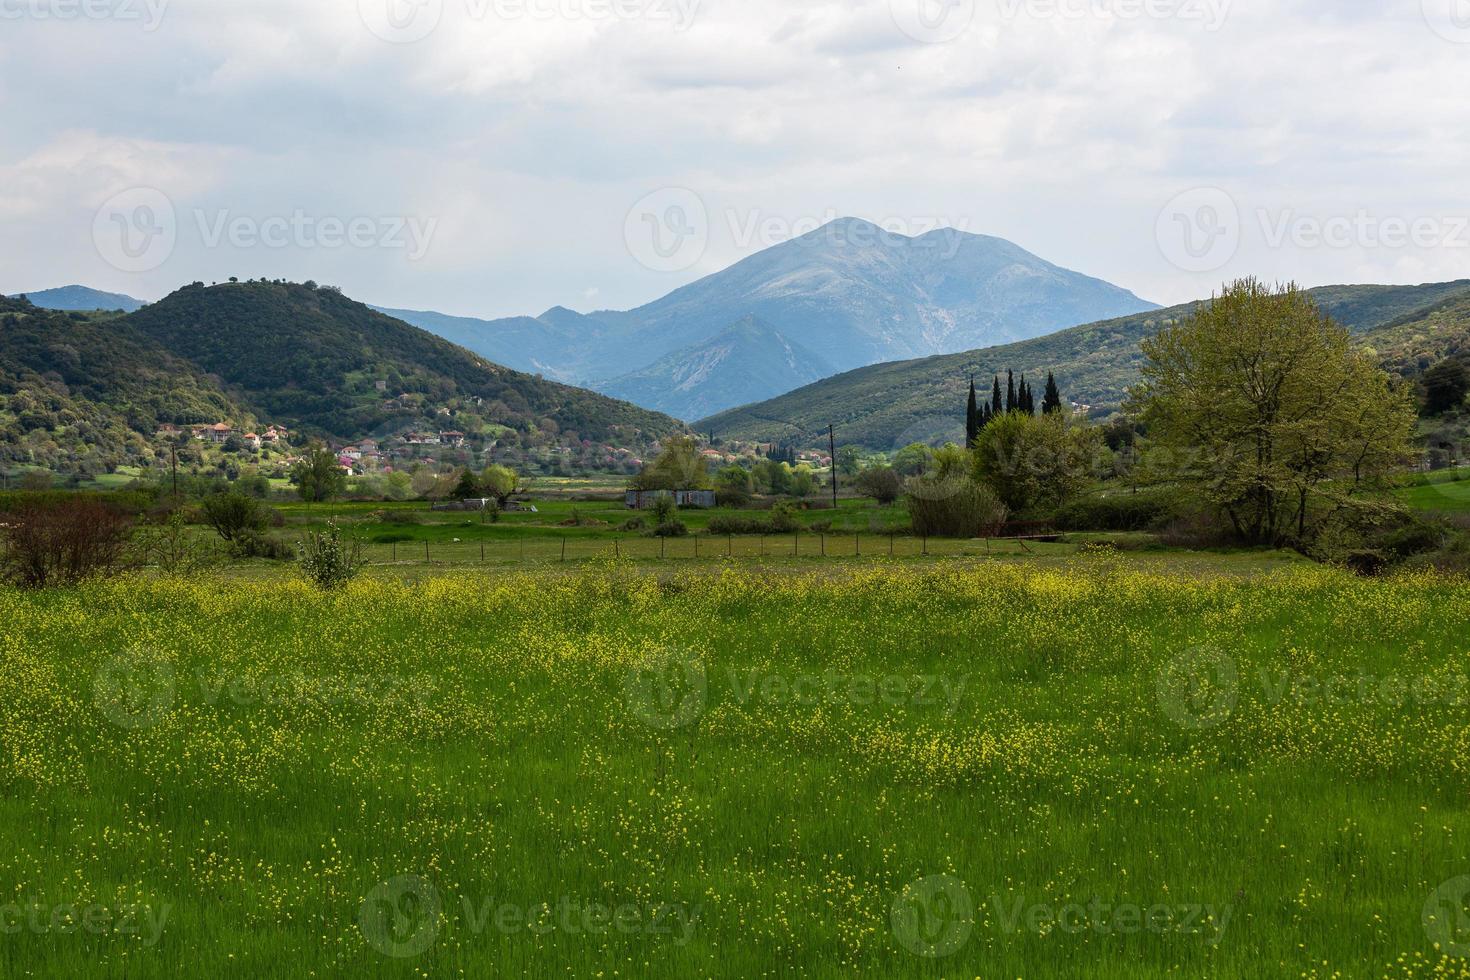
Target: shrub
780	520
881	483
62	543
954	507
671	529
1145	511
633	524
328	558
402	517
174	549
236	518
664	509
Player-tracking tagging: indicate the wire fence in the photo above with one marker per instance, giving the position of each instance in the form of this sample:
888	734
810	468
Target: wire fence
540	549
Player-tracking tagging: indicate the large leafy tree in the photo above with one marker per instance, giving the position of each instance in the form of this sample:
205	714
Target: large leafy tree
1272	414
1031	460
680	466
318	476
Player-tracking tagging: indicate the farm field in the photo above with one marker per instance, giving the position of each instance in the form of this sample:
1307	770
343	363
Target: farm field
1061	765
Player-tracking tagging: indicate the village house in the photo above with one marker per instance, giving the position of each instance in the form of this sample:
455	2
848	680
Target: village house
452	438
168	431
252	440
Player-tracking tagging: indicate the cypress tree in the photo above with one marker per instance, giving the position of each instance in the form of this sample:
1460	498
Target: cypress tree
995	399
1052	401
972	417
1011	404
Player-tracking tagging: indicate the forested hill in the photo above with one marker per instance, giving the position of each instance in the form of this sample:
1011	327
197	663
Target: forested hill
78	392
889	405
312	359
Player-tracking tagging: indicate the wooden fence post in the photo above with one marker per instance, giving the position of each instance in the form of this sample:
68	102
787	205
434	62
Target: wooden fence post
563	549
857	545
427	559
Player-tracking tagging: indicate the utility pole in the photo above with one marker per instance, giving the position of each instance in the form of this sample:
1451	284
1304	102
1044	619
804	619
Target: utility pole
832	448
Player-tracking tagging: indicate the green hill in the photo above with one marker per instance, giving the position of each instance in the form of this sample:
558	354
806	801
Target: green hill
889	405
86	392
80	393
312	359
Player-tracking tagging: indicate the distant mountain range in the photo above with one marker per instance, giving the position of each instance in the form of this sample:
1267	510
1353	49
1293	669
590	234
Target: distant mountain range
82	298
83	390
886	406
844	296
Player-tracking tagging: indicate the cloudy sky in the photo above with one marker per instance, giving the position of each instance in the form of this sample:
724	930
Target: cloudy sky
495	157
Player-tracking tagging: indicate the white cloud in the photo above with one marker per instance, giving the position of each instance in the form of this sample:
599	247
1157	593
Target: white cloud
529	137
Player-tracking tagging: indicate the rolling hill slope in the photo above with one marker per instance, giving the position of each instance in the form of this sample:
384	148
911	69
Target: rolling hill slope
82	298
81	393
313	359
889	405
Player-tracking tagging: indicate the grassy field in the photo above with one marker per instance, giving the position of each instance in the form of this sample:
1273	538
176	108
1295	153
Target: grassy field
1446	491
954	768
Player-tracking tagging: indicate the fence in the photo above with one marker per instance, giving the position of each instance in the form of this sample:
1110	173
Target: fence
548	548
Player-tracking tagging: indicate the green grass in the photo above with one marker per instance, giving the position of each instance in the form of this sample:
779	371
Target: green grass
266	763
1446	491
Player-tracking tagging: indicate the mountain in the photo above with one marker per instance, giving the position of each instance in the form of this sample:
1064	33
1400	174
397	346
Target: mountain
849	294
1412	344
886	406
313	359
747	359
82	298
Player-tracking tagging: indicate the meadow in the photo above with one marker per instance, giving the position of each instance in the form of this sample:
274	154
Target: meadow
1061	766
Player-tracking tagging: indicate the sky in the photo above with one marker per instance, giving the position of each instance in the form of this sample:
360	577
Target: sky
499	157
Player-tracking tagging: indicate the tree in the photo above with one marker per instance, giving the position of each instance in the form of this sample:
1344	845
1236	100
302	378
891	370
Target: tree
1277	420
680	466
466	487
881	483
318	476
972	416
1032	460
1051	402
235	517
500	483
733	486
803	481
1011	404
849	461
1445	386
996	405
913	459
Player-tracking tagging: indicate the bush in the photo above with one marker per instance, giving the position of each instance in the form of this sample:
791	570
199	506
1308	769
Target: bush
328	558
956	507
671	529
1145	511
664	509
262	546
881	483
633	524
402	517
62	543
781	520
174	549
236	518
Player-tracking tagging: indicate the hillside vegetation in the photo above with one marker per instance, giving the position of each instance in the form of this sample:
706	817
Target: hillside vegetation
887	406
311	358
84	393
